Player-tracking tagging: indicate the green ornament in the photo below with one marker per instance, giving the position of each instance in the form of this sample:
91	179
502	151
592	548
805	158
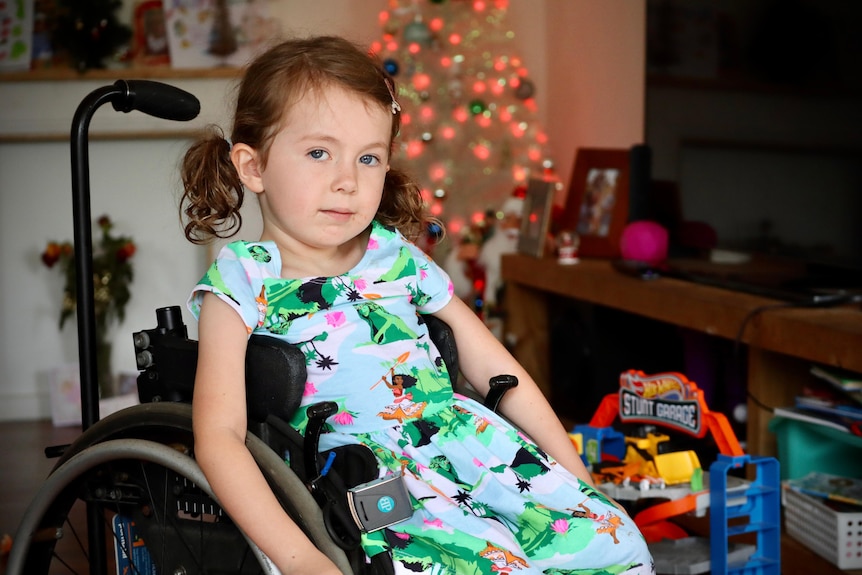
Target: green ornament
477	107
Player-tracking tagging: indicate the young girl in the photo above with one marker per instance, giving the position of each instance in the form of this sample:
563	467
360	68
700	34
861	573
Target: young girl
335	273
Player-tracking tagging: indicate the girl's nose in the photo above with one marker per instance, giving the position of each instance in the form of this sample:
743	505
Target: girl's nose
345	178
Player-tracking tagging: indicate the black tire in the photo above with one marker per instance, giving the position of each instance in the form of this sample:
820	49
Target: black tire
138	464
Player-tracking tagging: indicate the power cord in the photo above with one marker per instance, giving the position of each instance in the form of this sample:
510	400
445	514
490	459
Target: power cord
816	301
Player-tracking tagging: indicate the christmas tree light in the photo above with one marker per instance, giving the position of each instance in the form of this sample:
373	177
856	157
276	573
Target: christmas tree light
470	133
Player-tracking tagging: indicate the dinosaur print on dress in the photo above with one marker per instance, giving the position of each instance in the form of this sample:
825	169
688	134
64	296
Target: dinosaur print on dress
385	327
291	299
525	464
213	278
404	267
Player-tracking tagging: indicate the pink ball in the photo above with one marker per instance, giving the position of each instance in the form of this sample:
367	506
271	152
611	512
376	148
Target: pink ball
644	241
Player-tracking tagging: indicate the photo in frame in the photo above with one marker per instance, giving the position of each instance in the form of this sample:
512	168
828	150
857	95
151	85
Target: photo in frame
536	218
597	205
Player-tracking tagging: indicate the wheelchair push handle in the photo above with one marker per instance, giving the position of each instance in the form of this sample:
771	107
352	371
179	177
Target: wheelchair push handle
151	98
155	99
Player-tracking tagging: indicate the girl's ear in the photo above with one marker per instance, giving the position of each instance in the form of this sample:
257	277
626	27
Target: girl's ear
247	163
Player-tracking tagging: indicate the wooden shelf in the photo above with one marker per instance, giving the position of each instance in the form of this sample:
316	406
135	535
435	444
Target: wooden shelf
782	343
72	75
831	336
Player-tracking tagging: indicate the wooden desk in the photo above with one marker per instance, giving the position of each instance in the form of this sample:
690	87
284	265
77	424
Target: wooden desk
782	343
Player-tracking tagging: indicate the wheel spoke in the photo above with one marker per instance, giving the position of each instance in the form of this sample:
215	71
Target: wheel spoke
158	490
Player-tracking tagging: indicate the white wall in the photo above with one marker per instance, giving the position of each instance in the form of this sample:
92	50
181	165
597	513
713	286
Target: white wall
585	57
595	53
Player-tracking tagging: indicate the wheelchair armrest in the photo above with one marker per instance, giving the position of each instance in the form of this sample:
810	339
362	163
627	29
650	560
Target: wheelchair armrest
499	385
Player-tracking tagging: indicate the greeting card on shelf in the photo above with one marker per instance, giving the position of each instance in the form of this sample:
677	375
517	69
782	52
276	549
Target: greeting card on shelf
16	35
215	33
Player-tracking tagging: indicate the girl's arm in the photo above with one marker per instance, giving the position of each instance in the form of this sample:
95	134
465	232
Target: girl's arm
219	420
481	356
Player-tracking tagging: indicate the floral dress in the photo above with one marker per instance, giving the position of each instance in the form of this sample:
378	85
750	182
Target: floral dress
485	498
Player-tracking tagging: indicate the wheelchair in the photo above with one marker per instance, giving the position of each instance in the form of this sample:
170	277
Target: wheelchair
127	495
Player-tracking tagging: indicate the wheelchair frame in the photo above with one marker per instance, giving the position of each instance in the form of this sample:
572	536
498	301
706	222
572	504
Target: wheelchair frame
113	468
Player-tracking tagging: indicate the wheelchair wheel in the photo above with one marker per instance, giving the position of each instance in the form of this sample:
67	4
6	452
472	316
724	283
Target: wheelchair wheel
136	470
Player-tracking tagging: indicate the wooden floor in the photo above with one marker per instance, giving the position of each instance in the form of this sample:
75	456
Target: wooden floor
24	467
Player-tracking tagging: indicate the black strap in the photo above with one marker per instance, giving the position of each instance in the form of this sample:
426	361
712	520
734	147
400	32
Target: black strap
381	564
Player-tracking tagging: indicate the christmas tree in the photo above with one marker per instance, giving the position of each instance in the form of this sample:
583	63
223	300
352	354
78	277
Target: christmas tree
90	31
470	133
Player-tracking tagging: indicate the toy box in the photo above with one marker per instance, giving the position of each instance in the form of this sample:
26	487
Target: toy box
804	447
835	536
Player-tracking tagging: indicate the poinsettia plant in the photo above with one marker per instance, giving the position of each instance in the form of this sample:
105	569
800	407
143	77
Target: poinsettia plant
112	273
112	277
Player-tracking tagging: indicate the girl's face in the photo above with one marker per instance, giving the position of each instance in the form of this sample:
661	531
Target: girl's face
324	176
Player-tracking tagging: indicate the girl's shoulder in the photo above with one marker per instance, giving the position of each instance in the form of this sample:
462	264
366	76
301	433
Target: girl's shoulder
249	259
387	238
261	252
384	234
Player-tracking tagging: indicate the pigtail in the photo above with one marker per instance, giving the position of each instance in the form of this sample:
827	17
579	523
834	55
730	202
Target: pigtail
212	190
402	206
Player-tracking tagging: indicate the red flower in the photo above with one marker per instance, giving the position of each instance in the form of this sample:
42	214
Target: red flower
51	255
125	252
111	267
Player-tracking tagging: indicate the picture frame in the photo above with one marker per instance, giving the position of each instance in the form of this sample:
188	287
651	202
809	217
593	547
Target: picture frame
150	34
536	218
597	204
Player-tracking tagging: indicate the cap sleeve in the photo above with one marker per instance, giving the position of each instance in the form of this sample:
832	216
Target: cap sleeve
435	286
237	278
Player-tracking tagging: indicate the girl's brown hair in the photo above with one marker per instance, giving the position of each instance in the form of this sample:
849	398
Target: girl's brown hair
212	190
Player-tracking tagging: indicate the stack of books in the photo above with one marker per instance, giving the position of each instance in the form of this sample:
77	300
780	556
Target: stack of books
834	400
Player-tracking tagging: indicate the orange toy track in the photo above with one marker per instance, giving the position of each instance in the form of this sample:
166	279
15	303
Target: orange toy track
653	522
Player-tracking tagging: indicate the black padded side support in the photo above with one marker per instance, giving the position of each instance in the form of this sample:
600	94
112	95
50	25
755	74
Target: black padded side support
274	369
443	338
275	378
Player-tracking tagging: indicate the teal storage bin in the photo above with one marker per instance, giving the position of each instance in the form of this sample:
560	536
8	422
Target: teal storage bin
804	447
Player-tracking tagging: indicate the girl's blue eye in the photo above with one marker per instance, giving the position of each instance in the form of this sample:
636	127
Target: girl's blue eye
369	160
317	154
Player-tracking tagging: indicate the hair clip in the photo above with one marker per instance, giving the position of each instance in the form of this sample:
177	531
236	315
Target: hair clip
396	107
